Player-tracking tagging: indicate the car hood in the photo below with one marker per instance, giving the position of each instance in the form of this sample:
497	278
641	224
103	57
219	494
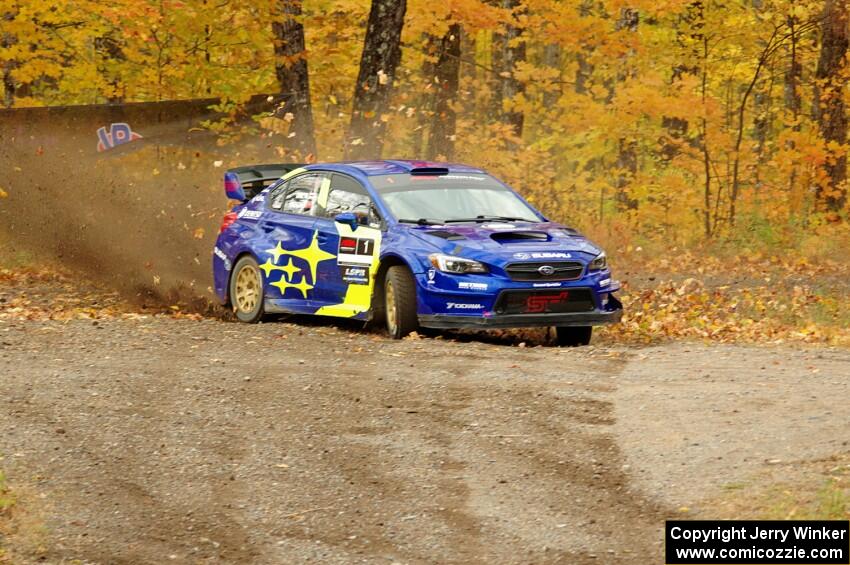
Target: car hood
501	242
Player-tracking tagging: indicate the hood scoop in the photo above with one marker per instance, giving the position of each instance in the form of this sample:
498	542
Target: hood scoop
449	235
520	237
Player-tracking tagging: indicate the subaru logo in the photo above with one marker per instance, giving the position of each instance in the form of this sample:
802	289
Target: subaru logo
546	270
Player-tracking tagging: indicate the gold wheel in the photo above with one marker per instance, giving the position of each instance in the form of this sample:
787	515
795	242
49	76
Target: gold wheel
401	304
248	289
392	314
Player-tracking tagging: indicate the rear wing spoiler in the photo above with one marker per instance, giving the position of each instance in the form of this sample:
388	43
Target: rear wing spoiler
244	183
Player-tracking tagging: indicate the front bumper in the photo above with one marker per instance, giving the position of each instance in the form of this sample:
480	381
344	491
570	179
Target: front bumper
521	320
610	315
482	301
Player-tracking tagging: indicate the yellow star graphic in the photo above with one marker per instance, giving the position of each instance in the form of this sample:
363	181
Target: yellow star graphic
282	284
313	255
290	269
277	251
303	286
268	267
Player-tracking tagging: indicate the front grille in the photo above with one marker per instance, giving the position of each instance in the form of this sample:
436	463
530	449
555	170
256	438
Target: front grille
564	271
554	301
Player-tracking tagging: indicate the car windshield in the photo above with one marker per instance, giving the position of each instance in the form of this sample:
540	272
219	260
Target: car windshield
451	198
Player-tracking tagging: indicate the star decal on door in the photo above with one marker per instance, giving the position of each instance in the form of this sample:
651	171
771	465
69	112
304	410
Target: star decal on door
312	255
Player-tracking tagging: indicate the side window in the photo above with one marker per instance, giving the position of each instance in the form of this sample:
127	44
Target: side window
298	195
275	196
348	195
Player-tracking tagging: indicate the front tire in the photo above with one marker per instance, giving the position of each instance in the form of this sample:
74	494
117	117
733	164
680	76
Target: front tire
400	302
246	290
574	336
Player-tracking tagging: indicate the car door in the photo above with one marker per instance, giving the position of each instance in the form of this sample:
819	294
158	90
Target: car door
288	255
347	284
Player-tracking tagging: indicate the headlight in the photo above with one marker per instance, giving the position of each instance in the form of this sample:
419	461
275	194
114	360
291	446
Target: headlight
599	263
452	264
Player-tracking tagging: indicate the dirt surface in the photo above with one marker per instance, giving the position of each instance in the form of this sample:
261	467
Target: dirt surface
130	436
155	439
693	419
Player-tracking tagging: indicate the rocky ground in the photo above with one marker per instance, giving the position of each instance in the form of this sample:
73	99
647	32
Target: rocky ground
148	439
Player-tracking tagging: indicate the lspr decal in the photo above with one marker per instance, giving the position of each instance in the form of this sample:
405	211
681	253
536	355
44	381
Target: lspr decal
119	133
355	274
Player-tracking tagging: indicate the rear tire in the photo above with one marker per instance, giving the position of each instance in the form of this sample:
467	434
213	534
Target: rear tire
400	302
246	290
573	336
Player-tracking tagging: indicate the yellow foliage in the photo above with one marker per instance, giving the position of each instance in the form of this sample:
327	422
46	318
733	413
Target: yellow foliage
661	131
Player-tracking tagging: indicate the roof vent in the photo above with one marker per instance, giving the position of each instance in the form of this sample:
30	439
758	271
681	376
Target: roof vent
429	171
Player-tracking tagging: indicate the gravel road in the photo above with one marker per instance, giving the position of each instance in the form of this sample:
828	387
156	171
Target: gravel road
164	440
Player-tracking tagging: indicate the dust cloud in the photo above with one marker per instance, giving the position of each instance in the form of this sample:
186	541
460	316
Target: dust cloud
141	217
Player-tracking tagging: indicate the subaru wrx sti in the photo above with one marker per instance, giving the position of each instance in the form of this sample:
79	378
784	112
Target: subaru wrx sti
406	244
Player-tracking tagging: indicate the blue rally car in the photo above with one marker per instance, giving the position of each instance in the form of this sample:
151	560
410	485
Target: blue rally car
406	243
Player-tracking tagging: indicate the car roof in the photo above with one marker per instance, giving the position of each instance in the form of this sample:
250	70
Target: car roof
392	167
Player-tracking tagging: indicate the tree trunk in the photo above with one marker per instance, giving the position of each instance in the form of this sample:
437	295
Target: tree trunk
627	146
689	35
763	117
829	102
706	154
762	126
108	49
584	69
793	100
552	59
8	84
7	41
507	52
742	108
425	94
292	75
378	63
441	138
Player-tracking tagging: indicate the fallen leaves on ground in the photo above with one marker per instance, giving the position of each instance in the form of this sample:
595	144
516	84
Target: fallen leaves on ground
49	293
754	299
762	313
760	300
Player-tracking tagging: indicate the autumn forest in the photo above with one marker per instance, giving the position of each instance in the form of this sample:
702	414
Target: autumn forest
673	118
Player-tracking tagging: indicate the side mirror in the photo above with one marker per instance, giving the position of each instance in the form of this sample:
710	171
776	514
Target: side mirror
348	218
233	188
